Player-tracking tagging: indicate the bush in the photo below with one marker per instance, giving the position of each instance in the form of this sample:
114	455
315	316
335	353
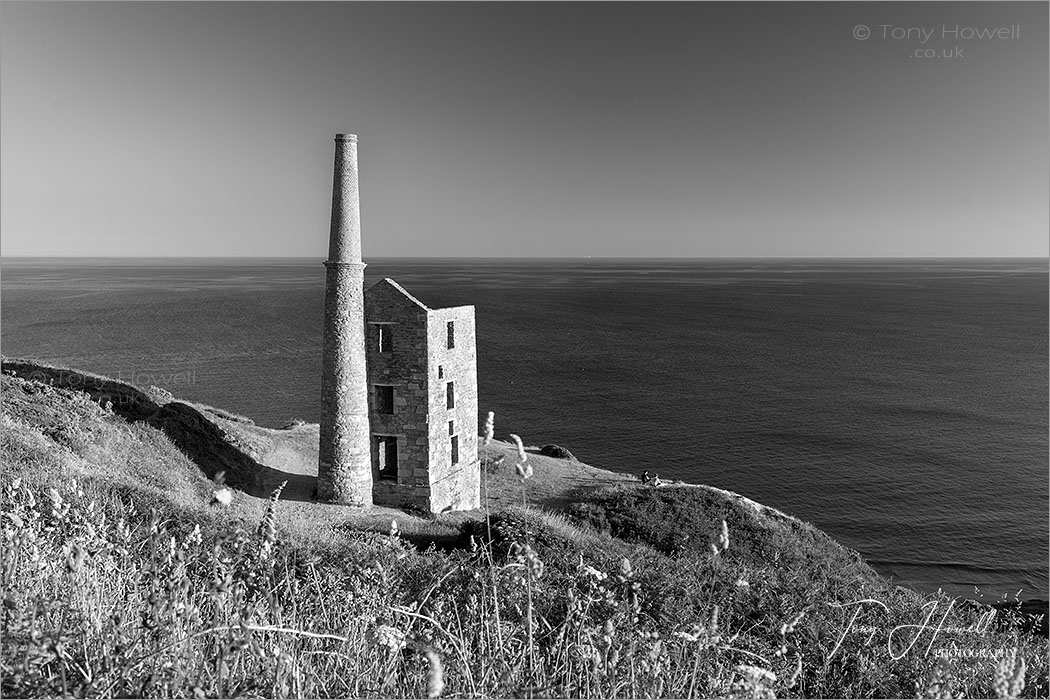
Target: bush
557	452
592	514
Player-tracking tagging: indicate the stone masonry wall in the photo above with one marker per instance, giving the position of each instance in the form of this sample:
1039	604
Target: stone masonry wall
404	367
453	486
342	474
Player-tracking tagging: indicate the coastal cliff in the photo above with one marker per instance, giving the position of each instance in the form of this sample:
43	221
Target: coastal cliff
574	582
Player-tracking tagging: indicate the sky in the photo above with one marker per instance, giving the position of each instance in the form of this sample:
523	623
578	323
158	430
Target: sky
526	129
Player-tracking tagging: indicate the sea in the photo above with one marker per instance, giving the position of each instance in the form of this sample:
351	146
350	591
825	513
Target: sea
900	405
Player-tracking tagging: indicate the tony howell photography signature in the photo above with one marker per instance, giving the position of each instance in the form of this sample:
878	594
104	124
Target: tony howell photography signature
931	624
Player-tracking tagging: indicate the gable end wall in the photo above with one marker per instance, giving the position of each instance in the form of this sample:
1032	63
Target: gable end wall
453	486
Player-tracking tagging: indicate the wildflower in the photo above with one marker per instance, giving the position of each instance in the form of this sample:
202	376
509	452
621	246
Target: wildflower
723	538
597	575
193	539
222	496
490	425
796	674
742	584
756	672
526	556
435	674
940	683
657	647
694	633
268	526
706	635
1010	675
75	555
754	682
386	636
57	509
394	530
789	627
585	652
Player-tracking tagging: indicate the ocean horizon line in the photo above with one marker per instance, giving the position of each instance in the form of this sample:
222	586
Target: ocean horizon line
506	258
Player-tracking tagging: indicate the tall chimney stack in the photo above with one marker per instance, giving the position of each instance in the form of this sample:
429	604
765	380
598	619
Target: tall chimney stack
344	470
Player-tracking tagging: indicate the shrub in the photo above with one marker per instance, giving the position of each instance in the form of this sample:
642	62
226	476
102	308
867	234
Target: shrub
557	452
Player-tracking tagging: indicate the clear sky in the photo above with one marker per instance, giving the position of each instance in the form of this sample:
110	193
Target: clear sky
531	130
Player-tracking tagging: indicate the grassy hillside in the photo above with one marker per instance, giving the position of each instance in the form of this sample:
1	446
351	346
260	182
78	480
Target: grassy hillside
127	573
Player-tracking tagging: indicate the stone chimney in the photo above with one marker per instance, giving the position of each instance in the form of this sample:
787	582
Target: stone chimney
344	470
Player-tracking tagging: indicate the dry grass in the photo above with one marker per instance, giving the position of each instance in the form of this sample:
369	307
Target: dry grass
121	579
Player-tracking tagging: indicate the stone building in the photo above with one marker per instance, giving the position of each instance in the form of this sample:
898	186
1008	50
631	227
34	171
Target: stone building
399	389
423	401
